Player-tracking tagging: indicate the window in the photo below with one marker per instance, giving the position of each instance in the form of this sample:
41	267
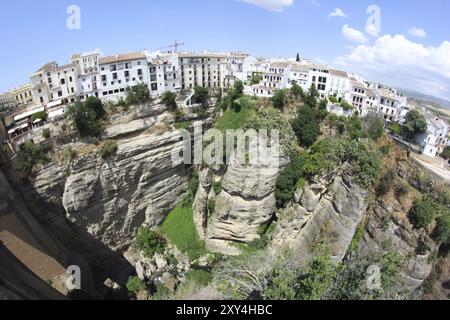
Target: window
114	76
139	72
60	94
103	77
113	67
70	79
154	86
127	74
63	81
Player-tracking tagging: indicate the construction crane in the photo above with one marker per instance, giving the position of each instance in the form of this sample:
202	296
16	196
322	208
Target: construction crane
175	46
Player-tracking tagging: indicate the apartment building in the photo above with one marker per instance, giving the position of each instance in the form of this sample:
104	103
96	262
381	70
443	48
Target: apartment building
53	82
164	73
7	102
339	84
88	81
205	70
319	76
434	141
296	73
389	105
358	96
22	95
120	72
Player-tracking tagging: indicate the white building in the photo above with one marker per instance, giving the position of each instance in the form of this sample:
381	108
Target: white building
389	105
89	77
23	94
120	72
53	82
434	141
164	73
202	69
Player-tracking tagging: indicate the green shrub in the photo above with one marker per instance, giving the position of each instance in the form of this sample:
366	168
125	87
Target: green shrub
211	206
385	149
217	186
287	181
442	231
279	99
306	126
402	189
149	242
46	133
86	117
108	149
422	248
161	292
423	212
138	94
135	285
169	100
387	182
40	115
32	155
199	277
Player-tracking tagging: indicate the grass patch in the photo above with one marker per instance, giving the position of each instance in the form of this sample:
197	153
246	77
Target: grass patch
199	277
183	125
180	229
235	118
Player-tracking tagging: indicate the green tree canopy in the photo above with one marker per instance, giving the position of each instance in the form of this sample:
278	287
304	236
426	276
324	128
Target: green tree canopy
415	123
279	100
169	100
306	126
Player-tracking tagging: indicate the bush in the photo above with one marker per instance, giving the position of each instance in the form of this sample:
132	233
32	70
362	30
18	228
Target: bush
415	123
402	189
30	156
387	182
279	99
297	91
108	149
46	133
211	206
40	115
85	117
217	186
201	95
385	149
374	126
138	94
287	181
442	231
395	128
149	242
135	285
422	213
306	126
199	277
169	99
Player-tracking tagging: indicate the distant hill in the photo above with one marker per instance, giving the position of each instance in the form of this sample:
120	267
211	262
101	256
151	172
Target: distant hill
427	99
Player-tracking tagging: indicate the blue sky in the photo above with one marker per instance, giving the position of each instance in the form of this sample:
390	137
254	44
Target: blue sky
34	32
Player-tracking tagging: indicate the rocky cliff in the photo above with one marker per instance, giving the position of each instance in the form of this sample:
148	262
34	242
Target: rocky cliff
329	210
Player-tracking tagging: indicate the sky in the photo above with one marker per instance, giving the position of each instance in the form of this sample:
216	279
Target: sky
403	43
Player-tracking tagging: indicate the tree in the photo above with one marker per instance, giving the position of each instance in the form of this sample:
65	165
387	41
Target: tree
201	95
287	181
39	116
138	94
298	57
323	111
446	153
306	126
279	99
311	96
239	88
96	105
169	99
415	123
256	78
297	91
84	119
30	156
374	126
149	242
135	285
423	212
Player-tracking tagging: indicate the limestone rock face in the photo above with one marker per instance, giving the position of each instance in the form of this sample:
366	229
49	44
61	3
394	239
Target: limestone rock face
331	209
246	201
112	198
385	227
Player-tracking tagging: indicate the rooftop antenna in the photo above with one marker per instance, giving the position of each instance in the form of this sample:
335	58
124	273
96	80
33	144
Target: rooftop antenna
175	46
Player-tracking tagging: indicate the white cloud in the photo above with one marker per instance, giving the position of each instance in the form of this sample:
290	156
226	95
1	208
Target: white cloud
353	34
418	32
401	62
337	13
372	30
273	5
